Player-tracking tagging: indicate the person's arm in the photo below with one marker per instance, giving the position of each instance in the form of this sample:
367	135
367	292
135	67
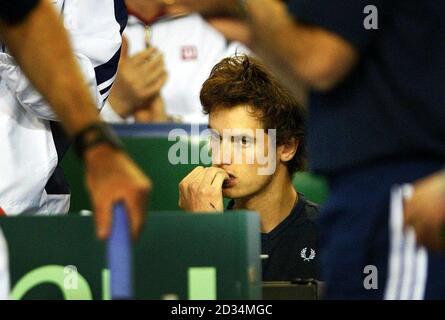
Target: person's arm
425	211
233	29
40	45
302	56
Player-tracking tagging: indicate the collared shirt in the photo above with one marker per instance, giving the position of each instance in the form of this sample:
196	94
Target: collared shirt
290	250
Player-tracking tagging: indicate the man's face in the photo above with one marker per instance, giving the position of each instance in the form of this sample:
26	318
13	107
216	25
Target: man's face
242	148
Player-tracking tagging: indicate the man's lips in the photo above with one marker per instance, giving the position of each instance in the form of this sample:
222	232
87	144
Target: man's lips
230	182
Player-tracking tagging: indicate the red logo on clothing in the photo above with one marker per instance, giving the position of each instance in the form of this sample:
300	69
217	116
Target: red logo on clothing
189	53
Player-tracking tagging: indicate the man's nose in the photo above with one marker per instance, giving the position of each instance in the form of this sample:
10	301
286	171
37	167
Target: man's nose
222	154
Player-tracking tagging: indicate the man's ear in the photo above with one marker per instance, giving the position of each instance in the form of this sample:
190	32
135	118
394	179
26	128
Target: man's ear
287	151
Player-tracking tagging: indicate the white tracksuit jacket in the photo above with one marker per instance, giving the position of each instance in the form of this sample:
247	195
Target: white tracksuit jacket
31	142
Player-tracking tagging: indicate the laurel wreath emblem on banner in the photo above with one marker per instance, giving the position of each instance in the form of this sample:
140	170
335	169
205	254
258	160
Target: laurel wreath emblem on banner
306	258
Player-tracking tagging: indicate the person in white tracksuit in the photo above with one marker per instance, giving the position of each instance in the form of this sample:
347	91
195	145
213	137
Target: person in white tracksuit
29	140
32	140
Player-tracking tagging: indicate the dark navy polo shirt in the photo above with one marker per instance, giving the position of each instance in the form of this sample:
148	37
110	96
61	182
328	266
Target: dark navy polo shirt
392	104
13	11
291	248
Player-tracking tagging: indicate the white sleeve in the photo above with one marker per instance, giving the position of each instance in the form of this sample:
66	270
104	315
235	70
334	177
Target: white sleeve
109	115
4	269
95	29
25	93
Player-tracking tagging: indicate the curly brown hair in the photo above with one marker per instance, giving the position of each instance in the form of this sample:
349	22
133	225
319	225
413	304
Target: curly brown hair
242	79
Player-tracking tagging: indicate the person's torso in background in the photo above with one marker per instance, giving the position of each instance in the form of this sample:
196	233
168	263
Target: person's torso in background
191	47
392	105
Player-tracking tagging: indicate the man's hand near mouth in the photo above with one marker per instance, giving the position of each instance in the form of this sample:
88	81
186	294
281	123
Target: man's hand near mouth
201	190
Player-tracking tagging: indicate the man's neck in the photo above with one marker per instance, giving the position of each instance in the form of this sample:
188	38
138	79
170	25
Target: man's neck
274	203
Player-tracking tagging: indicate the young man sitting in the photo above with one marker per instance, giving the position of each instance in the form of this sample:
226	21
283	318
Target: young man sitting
257	145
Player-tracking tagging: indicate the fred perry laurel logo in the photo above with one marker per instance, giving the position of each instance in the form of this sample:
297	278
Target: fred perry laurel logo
305	257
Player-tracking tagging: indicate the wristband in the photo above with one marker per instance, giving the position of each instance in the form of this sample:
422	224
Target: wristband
94	134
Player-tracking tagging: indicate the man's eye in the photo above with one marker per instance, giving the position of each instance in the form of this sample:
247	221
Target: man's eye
215	137
244	140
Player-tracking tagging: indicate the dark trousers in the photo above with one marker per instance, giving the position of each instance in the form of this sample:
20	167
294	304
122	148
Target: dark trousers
358	241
